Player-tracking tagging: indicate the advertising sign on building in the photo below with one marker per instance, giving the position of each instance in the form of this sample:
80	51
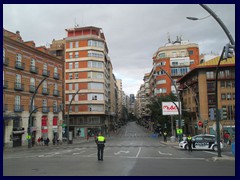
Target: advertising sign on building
169	108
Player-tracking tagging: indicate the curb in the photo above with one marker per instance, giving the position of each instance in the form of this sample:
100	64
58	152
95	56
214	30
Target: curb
224	157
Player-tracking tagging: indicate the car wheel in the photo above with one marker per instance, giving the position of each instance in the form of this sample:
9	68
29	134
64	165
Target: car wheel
215	148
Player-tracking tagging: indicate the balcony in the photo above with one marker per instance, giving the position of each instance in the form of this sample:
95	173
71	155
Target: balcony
18	86
5	84
45	91
56	109
18	108
32	88
6	61
5	107
33	108
33	69
56	76
46	73
56	92
45	109
20	65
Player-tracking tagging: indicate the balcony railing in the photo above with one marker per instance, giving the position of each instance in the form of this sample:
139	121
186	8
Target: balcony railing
18	108
45	109
45	91
33	69
56	76
46	73
20	65
56	92
18	86
5	84
55	109
6	61
32	88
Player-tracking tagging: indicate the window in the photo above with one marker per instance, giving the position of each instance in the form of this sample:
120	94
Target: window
174	54
55	70
17	103
210	75
229	84
95	96
76	86
70	76
55	86
221	74
161	81
227	73
32	84
95	85
71	44
95	54
70	55
179	71
45	66
229	96
18	78
95	43
76	65
95	64
76	75
76	54
233	96
76	97
76	44
190	52
70	87
223	96
182	53
161	55
174	63
44	103
210	86
95	75
19	58
96	108
222	84
70	96
70	65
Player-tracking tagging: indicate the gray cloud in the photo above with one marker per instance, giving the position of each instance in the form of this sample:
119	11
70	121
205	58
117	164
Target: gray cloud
133	32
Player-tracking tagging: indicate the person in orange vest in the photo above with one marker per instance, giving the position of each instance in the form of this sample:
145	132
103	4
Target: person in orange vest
100	141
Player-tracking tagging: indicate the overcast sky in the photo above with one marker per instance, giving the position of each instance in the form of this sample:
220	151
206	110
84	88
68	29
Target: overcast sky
133	32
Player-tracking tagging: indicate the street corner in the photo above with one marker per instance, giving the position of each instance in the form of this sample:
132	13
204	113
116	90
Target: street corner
223	158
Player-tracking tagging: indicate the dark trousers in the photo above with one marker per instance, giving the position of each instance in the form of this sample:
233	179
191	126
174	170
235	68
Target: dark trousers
100	148
189	146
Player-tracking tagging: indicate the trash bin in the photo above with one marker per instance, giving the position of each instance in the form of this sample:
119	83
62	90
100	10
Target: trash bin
172	139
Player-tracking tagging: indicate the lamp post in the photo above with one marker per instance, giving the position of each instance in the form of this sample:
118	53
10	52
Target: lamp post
214	15
178	97
68	116
31	111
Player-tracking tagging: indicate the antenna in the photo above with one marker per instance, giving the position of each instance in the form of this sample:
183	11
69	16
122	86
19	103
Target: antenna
75	23
169	40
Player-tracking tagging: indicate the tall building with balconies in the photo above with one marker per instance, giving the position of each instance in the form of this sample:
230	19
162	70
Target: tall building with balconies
176	58
24	68
86	70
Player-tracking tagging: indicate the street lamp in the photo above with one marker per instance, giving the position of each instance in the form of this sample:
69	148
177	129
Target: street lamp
178	97
31	111
214	15
68	117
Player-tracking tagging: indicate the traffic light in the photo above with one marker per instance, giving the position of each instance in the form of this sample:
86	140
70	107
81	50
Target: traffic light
182	123
229	50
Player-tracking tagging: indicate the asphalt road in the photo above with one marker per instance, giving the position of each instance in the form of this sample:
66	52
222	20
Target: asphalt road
132	152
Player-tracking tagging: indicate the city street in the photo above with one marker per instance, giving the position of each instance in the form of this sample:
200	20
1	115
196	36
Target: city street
130	152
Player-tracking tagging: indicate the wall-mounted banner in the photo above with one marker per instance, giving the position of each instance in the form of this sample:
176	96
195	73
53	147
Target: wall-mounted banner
169	108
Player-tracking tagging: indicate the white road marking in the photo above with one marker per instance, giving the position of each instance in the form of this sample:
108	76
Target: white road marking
121	152
138	152
169	154
78	153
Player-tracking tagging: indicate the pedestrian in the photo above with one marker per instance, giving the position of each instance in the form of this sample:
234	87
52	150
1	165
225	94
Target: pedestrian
42	141
47	141
58	141
100	141
189	142
165	136
33	141
39	141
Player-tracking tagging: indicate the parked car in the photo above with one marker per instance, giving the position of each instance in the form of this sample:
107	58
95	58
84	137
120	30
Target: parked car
202	142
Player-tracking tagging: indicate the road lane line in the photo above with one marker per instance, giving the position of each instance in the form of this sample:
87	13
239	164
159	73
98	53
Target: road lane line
138	152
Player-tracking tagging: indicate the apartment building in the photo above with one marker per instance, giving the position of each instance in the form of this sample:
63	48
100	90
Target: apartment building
25	66
198	95
176	58
87	81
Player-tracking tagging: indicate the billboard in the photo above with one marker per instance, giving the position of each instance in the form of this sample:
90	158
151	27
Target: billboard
169	108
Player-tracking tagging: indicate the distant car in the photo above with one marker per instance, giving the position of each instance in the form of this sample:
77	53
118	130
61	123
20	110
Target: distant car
202	142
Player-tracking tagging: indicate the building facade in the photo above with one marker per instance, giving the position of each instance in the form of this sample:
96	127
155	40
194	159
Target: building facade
199	96
87	81
29	71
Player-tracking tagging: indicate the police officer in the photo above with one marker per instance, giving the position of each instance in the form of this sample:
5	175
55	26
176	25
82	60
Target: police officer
100	140
165	136
189	141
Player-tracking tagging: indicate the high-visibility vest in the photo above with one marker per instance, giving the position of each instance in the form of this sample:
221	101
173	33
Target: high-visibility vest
101	139
189	138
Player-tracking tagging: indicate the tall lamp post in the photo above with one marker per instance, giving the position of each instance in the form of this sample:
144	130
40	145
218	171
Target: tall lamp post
30	115
68	115
227	51
178	97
